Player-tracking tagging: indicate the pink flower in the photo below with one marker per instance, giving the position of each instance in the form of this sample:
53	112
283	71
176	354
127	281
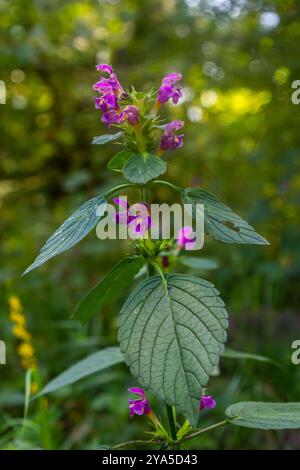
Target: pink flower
131	114
139	406
184	239
136	217
208	402
168	90
170	140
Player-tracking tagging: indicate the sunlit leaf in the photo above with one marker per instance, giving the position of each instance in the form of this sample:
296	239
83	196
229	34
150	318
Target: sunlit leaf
72	231
220	221
143	168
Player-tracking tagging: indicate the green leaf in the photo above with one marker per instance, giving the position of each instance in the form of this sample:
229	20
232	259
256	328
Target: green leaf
72	231
220	221
117	162
172	334
96	362
195	262
105	138
260	415
232	354
143	168
113	284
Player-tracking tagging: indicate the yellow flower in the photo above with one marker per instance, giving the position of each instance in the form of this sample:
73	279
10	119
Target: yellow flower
17	318
15	303
20	333
25	350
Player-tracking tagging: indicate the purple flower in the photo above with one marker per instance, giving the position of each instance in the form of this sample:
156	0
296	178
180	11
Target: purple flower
139	406
111	117
141	221
168	90
136	217
207	401
123	216
104	68
131	114
184	238
169	140
110	91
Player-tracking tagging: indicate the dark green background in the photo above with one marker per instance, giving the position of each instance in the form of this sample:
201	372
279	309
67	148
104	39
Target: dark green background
242	142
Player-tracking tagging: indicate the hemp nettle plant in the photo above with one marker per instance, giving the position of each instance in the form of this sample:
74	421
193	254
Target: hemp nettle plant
172	327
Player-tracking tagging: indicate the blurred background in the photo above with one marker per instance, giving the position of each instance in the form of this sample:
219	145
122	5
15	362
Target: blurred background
242	142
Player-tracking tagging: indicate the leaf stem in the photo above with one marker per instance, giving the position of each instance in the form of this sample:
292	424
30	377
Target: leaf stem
119	187
201	431
166	183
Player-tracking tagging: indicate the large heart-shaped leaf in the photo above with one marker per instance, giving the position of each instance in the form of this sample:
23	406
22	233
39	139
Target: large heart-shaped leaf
220	221
105	138
72	231
260	415
172	334
96	362
143	168
113	284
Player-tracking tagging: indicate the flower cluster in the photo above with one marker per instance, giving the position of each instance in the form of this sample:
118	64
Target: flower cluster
112	94
111	91
25	349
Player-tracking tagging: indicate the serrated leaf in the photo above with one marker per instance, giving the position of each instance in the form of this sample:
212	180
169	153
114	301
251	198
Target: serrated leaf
232	354
113	284
195	262
143	168
260	415
96	362
105	138
172	335
72	231
220	221
117	162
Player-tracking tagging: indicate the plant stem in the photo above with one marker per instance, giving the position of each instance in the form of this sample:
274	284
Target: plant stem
209	428
166	183
137	442
171	422
118	188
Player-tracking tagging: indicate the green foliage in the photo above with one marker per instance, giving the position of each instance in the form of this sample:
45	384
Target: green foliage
220	221
232	354
241	142
260	415
117	162
96	362
72	231
198	263
105	138
143	168
114	284
172	333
